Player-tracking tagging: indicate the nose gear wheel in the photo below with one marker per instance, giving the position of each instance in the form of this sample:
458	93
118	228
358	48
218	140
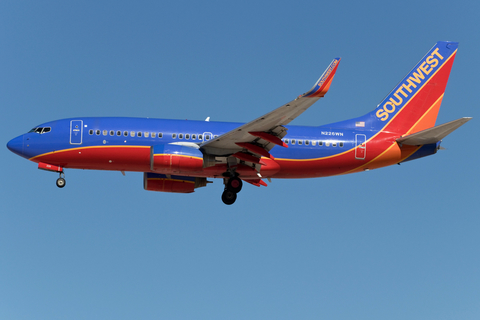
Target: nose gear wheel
61	181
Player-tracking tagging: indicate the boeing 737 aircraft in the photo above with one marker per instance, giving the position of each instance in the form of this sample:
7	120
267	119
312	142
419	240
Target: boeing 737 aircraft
179	155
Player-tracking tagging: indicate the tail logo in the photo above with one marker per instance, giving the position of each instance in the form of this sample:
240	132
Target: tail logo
408	88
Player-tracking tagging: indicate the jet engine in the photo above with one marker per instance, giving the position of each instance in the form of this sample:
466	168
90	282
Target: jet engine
171	183
174	159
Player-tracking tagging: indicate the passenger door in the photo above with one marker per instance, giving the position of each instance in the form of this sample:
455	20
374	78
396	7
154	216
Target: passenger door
76	131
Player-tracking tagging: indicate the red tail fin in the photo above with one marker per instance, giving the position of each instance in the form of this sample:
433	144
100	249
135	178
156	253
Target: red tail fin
414	103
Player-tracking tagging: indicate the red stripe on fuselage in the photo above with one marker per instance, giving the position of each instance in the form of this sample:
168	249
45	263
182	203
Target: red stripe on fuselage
341	163
119	158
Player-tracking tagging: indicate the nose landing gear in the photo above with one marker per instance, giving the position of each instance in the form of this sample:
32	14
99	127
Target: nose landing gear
233	186
54	168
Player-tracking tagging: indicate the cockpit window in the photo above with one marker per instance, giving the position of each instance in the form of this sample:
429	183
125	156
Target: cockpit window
40	130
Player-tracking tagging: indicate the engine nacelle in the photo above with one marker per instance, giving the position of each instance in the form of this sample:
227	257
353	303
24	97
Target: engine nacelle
171	183
171	158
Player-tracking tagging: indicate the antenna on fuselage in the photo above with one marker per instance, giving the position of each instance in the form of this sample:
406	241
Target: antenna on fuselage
208	119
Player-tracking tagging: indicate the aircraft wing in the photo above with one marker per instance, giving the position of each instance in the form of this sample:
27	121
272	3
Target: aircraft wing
259	136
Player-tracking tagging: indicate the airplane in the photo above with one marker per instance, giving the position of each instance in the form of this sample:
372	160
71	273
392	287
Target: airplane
180	155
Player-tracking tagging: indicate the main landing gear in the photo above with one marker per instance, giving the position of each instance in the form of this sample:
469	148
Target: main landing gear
61	181
233	185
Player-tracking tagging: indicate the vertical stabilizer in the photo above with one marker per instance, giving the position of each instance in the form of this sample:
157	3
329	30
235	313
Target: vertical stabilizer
414	103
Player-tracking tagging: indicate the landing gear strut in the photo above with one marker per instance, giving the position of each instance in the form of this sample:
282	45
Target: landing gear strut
232	186
61	181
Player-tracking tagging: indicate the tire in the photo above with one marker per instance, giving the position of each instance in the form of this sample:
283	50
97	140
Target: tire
61	182
234	185
229	197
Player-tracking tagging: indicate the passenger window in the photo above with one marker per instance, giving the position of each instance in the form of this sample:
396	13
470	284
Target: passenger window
160	135
320	143
293	141
139	134
97	132
187	136
146	134
314	143
300	142
334	144
286	141
105	132
119	133
154	134
90	132
307	142
174	136
200	137
215	136
132	133
194	136
180	136
112	132
341	144
125	133
207	137
327	144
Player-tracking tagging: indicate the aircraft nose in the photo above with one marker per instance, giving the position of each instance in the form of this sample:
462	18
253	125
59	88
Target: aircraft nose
16	145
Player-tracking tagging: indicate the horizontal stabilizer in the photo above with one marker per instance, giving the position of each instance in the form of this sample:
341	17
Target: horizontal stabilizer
432	135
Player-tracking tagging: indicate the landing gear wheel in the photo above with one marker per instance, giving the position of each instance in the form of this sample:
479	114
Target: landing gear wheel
229	197
234	184
61	182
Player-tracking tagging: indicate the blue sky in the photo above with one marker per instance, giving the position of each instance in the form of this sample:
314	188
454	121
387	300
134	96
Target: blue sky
395	243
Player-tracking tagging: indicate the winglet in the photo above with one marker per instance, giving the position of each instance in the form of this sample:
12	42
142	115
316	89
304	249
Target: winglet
323	84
